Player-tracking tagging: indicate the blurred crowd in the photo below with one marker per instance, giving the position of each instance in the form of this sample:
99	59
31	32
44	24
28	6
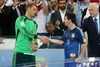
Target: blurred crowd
48	11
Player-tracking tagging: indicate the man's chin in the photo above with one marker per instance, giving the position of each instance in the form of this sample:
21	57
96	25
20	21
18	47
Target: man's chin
62	8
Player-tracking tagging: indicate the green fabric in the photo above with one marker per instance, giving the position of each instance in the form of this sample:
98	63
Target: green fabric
14	60
25	35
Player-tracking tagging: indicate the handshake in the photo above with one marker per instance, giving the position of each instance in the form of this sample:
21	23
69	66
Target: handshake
34	46
44	39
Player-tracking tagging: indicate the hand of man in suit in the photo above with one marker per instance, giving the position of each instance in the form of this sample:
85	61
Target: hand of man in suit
57	23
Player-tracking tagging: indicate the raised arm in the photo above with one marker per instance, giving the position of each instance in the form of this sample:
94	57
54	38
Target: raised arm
45	7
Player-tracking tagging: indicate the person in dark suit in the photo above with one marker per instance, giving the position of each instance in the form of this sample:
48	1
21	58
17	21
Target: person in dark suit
19	5
18	10
93	30
53	32
5	19
57	18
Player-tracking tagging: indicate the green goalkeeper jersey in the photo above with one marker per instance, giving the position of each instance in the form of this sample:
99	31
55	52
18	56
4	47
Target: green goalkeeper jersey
24	34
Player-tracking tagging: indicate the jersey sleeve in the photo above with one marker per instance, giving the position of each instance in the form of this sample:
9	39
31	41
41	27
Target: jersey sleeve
81	37
20	24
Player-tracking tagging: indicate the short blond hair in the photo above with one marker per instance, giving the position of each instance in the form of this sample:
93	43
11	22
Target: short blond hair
30	5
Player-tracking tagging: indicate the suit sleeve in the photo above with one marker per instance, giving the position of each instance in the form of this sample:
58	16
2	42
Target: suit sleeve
84	25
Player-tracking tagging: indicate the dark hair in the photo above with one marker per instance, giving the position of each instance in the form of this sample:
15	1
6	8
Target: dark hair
30	5
49	23
71	16
62	0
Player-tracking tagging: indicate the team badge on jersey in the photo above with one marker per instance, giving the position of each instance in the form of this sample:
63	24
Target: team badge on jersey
84	40
73	35
22	24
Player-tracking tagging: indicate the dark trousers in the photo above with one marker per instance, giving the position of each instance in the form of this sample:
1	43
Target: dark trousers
20	59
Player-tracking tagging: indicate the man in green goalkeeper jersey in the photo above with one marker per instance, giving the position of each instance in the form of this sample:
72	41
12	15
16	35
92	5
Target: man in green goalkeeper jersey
26	38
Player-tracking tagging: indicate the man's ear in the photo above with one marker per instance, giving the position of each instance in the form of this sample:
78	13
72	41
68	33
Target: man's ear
70	20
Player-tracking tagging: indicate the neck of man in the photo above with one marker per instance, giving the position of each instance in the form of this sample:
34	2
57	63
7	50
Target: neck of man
63	11
71	26
28	16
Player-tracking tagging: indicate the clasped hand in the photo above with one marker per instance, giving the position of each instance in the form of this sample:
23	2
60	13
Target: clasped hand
44	39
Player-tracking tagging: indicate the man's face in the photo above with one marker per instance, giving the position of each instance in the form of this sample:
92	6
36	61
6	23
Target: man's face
33	11
1	2
50	28
62	4
93	10
54	3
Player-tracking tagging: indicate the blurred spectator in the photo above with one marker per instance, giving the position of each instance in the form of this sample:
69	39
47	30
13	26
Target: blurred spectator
19	7
18	10
53	32
52	7
72	6
57	18
81	5
6	14
41	17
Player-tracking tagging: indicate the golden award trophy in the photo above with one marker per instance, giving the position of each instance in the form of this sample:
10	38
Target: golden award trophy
33	46
72	55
